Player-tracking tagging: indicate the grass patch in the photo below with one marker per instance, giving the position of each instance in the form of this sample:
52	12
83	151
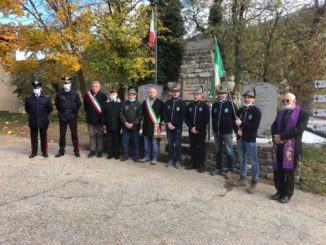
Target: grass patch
313	169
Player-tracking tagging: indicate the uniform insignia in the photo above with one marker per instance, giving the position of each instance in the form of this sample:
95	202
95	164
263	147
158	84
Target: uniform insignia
226	110
249	116
200	109
127	107
215	110
190	109
169	107
178	109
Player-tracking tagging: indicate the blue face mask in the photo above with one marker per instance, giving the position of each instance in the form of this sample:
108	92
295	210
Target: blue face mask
113	98
221	100
132	100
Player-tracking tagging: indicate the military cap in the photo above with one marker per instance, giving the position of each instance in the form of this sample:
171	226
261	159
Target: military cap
222	90
132	91
176	88
66	78
36	84
113	90
198	91
250	93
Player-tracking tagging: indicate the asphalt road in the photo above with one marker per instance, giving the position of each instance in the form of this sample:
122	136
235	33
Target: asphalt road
99	201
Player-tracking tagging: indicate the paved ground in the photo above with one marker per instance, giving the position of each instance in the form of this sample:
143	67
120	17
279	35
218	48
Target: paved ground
100	201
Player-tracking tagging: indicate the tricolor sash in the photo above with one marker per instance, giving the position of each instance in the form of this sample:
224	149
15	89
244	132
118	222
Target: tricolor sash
95	102
288	145
155	119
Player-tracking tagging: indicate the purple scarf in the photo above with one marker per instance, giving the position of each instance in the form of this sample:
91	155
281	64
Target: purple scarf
288	145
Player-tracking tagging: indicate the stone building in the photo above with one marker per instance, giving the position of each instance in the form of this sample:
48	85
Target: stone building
9	101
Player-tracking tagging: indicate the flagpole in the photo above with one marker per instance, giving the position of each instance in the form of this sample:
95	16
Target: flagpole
155	10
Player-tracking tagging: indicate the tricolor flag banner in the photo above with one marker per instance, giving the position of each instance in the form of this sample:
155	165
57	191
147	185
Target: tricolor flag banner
218	70
152	31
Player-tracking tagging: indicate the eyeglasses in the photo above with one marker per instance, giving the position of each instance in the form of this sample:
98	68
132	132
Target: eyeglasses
287	101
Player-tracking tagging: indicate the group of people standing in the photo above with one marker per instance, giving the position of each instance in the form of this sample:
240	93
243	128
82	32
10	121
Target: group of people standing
108	113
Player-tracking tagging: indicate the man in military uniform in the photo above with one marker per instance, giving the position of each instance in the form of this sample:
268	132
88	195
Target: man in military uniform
247	124
130	117
223	118
68	104
38	107
174	113
111	121
196	118
93	104
153	113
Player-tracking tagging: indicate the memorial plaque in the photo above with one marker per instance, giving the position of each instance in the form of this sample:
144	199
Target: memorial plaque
191	84
143	91
266	101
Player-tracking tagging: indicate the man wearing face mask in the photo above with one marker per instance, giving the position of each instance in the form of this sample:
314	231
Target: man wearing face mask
38	107
68	104
287	131
174	113
223	118
247	124
130	117
111	121
196	118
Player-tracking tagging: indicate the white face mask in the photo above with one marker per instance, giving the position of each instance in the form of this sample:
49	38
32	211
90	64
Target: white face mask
113	98
247	105
66	87
288	107
37	92
132	100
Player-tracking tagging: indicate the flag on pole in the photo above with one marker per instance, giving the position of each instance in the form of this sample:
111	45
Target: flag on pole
218	70
152	31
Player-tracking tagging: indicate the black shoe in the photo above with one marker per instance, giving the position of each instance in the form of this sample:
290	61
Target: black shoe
123	159
32	155
276	196
77	154
109	156
190	167
91	154
60	154
116	157
99	154
135	159
285	199
46	155
201	169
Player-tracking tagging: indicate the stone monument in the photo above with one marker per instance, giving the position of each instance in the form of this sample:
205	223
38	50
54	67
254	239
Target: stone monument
266	100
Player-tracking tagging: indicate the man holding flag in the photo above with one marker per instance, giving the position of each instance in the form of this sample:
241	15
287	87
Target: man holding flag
93	101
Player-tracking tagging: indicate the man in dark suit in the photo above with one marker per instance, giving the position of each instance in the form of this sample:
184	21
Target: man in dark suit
152	113
287	131
38	107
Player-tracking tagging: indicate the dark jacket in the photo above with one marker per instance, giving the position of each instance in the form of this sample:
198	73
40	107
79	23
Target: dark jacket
148	126
111	110
131	112
250	117
197	115
295	132
67	104
223	117
92	116
174	112
38	110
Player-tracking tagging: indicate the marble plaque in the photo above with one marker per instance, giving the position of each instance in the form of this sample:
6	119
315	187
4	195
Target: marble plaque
266	101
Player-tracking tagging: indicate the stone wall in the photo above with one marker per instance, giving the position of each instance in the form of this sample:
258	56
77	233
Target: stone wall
9	100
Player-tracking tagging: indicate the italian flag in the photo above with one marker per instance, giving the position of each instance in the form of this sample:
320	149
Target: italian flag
152	32
218	71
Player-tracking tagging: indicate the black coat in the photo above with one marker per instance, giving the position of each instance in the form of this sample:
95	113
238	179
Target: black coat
92	116
197	115
174	112
131	112
148	126
110	115
250	118
38	110
295	132
223	117
67	104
